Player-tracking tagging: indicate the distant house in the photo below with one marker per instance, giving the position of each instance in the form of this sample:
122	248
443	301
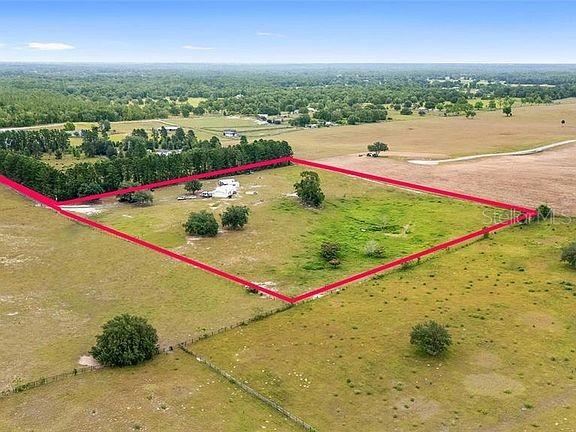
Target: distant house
312	125
263	117
168	128
166	152
230	133
75	133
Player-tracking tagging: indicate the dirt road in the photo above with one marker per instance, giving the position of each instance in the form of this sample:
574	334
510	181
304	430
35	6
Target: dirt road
530	180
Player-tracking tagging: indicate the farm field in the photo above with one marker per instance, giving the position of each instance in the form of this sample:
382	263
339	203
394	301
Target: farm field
355	213
173	392
437	137
346	360
61	281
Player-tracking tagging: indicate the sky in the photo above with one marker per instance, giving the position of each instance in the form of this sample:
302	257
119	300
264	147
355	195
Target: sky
293	31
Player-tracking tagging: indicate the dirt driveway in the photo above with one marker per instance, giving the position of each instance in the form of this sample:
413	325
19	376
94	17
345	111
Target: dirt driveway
548	177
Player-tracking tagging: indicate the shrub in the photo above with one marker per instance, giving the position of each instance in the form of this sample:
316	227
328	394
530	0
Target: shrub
544	212
127	197
330	251
308	189
430	337
373	250
569	255
125	340
193	186
142	198
202	224
235	217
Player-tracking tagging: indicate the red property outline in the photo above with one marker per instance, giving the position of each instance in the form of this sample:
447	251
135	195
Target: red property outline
525	213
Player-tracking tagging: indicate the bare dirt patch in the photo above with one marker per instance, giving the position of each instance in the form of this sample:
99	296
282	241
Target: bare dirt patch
539	321
525	180
492	384
486	359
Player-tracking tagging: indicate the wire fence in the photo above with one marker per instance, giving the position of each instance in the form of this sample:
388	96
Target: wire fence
257	317
21	387
266	400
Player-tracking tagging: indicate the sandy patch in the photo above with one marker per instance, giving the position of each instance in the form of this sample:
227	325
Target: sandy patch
88	360
423	409
486	359
539	320
492	384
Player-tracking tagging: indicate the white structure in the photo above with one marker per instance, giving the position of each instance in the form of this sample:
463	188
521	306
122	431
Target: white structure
229	182
230	133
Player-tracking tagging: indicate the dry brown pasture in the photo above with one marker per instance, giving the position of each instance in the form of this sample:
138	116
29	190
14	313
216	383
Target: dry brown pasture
439	137
530	180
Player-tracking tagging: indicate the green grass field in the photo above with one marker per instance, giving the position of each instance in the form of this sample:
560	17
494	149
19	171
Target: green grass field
60	281
346	362
171	393
356	212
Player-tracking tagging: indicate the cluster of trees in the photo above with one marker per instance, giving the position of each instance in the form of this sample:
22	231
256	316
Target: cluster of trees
95	142
204	224
109	174
35	142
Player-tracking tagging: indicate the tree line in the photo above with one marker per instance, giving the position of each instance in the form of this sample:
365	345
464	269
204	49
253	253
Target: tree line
86	178
35	142
59	93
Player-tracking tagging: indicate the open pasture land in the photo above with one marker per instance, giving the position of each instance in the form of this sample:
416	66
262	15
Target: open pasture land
60	281
205	127
438	137
280	246
173	392
528	180
345	362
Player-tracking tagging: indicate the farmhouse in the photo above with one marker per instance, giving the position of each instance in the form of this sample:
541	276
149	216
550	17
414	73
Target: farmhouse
230	133
168	128
166	152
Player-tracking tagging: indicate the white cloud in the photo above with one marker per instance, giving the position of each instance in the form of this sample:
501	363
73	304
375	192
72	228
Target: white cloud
269	34
197	48
49	46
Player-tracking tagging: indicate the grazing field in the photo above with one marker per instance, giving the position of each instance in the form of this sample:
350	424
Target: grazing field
173	393
346	360
60	281
208	126
280	246
439	137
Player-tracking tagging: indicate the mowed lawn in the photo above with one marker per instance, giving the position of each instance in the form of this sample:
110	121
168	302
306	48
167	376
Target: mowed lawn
60	281
345	362
280	245
171	393
439	137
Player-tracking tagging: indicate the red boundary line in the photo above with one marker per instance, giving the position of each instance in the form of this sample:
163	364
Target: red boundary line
526	213
174	181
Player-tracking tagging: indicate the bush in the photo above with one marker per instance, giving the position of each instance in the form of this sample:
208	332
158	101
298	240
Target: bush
430	337
193	186
544	212
373	250
308	189
202	224
235	217
126	340
569	255
330	251
142	198
127	197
